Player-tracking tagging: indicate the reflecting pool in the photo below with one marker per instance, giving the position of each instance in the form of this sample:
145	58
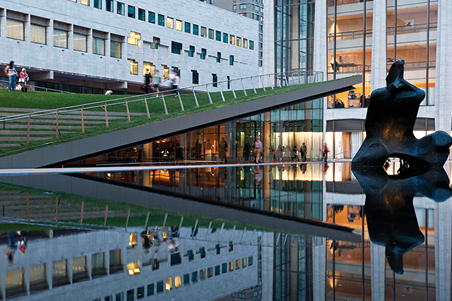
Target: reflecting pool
145	235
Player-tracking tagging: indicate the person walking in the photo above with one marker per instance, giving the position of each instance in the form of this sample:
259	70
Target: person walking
303	152
223	150
325	153
258	150
11	72
23	78
156	80
147	81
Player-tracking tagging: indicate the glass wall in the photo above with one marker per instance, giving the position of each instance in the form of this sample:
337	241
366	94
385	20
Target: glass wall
294	34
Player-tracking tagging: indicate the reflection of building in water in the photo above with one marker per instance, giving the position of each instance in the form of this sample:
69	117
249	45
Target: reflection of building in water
109	265
282	132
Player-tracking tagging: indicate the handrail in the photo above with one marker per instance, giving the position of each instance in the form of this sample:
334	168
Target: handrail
102	103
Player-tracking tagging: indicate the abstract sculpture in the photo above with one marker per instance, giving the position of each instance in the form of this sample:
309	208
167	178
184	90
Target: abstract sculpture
389	126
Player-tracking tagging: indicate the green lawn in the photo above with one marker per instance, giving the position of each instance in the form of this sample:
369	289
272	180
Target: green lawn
50	100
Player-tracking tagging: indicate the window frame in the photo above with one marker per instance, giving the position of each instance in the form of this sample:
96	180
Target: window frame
94	41
120	8
129	12
196	29
23	29
142	14
189	27
31	34
60	30
161	20
86	41
151	20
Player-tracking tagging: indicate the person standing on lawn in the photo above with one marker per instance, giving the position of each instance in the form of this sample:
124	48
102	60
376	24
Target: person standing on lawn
11	72
23	78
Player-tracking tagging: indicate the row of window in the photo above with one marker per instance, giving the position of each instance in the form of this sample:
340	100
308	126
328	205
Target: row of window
133	12
38	34
178	281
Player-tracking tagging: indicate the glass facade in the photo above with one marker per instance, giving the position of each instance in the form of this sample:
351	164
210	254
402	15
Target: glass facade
294	32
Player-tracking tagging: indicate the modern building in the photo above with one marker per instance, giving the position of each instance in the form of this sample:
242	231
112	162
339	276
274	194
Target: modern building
253	9
87	46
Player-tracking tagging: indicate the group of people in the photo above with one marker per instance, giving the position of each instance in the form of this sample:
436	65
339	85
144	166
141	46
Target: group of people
153	82
13	246
13	77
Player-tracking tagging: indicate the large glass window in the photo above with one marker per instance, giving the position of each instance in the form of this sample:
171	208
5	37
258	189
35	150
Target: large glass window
97	4
170	22
115	49
109	5
59	38
80	42
141	14
131	11
161	20
195	29
133	67
38	34
187	27
151	17
120	8
176	47
134	38
98	46
203	32
179	25
15	29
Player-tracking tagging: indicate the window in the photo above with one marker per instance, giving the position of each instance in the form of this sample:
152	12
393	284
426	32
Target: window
203	54
108	298
130	295
134	38
133	67
177	281
15	29
98	46
141	14
148	68
79	267
140	292
203	32
237	264
250	260
151	17
150	289
239	41
85	2
80	42
245	43
243	14
187	27
131	11
161	20
251	45
211	32
210	270
179	25
159	286
169	22
224	268
195	77
244	262
186	279
155	44
119	297
218	60
59	38
234	8
194	277
242	6
231	266
202	274
231	39
176	47
225	37
165	71
195	29
120	8
98	4
217	270
109	5
191	51
38	34
218	35
115	49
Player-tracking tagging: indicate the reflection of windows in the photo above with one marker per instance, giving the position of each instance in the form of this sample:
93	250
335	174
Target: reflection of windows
109	5
155	44
250	260
231	60
131	11
244	262
15	280
59	38
217	270
234	8
97	262
115	49
37	276
140	292
209	272
211	32
203	54
203	32
141	14
239	41
80	42
186	279
115	258
232	39
59	271
150	289
195	77
98	46
194	277
237	264
161	20
191	51
159	286
79	266
202	274
169	22
224	268
38	34
242	6
151	17
195	29
133	67
134	38
187	27
179	25
148	68
225	37
120	8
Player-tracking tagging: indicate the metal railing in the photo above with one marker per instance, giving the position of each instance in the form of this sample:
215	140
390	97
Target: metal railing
167	102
